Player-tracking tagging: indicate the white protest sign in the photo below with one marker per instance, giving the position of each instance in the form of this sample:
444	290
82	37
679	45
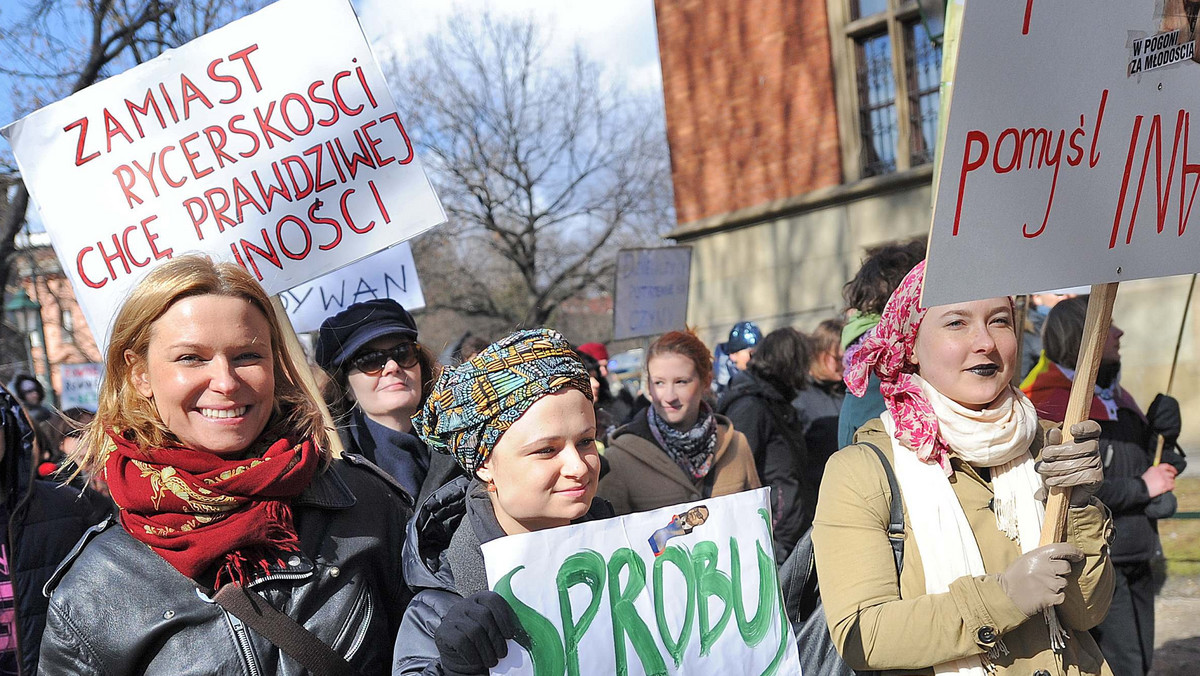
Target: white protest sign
390	273
80	385
651	291
273	142
690	589
1067	157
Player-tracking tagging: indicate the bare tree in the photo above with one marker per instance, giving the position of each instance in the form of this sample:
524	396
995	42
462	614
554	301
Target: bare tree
544	169
62	46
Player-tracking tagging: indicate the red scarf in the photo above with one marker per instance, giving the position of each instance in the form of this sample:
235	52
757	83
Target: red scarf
197	510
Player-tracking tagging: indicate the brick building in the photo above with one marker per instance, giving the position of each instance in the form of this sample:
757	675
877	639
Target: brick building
801	133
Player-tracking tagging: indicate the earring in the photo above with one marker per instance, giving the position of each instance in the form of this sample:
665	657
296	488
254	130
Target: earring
491	486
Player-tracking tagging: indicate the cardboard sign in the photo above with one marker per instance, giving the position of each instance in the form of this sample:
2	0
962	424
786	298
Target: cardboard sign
1068	158
80	386
690	589
272	142
651	291
387	274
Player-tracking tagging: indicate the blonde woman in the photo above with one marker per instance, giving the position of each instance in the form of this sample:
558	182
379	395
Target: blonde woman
219	467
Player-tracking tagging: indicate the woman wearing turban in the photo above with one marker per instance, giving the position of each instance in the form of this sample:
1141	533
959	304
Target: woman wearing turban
518	418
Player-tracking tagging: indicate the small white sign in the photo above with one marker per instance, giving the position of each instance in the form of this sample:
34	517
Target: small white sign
273	142
80	386
651	291
387	274
1068	158
690	589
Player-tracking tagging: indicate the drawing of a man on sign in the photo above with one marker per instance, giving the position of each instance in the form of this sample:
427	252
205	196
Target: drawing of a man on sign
272	142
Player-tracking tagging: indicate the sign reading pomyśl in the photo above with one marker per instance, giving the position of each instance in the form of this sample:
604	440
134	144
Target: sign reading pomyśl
387	274
273	142
1068	158
690	589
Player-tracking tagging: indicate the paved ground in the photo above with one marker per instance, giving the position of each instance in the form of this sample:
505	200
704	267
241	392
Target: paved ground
1177	635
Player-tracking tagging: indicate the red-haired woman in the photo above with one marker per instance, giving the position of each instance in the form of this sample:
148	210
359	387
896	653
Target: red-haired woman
678	450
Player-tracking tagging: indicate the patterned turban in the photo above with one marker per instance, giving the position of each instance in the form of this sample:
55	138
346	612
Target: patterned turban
473	404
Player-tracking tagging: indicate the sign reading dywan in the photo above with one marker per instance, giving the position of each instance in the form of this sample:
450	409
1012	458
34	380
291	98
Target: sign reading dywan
1068	157
273	142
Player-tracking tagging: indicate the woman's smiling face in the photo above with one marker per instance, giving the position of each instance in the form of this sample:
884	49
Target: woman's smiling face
209	372
966	350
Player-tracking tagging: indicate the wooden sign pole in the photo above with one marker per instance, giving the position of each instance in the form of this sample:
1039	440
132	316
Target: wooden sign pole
1095	333
307	381
1175	360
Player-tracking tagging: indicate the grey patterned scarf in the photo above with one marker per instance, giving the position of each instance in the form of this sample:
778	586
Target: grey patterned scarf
692	450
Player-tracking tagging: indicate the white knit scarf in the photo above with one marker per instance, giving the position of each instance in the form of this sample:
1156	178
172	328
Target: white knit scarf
997	437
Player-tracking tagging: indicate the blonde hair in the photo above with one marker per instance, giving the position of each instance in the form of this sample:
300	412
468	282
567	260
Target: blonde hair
123	409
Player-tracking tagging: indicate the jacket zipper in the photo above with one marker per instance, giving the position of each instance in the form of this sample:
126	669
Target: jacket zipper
243	640
361	634
364	607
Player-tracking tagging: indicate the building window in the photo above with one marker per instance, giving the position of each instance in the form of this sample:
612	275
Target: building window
888	81
67	324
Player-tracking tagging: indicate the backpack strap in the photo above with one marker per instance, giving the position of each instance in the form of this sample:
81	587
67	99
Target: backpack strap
896	519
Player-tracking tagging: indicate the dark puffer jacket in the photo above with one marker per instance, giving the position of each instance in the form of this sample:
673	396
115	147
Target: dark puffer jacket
116	607
766	416
443	564
44	520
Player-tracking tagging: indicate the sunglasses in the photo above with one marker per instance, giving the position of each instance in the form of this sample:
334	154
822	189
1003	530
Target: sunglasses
372	362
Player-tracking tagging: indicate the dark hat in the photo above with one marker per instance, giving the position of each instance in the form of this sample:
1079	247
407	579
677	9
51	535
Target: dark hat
744	335
346	332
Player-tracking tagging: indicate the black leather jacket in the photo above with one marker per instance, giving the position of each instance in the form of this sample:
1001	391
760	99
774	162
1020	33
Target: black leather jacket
116	607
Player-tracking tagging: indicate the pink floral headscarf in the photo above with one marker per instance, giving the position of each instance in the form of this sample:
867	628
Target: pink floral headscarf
885	350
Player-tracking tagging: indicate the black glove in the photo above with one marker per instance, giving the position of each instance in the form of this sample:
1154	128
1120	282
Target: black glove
1165	418
1162	506
473	636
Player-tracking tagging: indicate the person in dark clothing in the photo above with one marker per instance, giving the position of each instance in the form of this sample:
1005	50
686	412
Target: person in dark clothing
219	463
379	376
820	403
758	403
1137	491
612	411
526	391
40	522
866	295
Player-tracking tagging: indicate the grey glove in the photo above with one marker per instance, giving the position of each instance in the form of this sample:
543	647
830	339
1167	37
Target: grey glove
1076	465
1036	581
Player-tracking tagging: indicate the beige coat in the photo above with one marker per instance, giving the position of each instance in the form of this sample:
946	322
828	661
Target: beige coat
879	625
642	476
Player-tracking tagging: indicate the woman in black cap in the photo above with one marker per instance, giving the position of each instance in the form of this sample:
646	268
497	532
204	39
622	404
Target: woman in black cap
379	378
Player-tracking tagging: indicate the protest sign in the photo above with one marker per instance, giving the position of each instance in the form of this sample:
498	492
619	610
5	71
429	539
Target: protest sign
651	291
1067	154
690	589
80	386
387	274
273	142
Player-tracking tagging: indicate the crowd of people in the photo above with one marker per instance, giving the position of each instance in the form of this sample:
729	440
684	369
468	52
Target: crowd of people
199	521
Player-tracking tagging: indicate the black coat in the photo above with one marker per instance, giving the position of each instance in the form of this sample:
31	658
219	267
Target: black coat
443	564
1127	447
766	416
44	522
404	456
819	405
116	607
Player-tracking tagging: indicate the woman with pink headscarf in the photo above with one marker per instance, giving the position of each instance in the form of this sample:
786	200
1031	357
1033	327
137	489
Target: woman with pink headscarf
975	594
